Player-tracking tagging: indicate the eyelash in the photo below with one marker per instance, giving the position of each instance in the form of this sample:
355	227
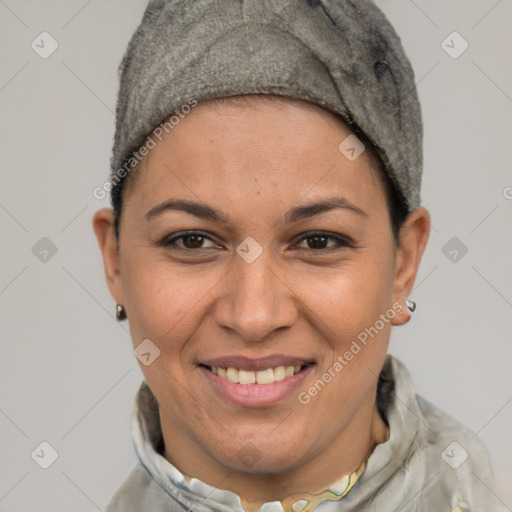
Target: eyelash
168	241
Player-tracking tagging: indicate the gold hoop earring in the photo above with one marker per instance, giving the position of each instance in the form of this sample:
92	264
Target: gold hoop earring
120	313
411	305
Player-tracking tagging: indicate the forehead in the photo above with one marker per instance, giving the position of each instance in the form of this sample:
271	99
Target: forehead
276	143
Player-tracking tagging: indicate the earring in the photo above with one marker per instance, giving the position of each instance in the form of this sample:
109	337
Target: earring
411	305
120	313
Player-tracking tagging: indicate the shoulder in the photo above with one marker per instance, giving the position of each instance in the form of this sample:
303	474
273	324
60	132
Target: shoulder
458	461
438	431
450	439
446	461
140	492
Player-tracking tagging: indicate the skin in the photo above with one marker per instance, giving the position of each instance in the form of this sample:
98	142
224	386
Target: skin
253	163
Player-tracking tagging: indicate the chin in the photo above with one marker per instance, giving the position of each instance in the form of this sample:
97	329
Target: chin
264	455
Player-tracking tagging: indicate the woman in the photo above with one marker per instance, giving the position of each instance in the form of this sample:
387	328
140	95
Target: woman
265	235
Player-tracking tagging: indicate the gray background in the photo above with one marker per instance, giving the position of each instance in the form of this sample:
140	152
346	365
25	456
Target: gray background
68	374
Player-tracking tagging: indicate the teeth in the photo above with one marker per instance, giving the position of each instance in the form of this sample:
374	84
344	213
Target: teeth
268	376
232	375
279	373
245	377
265	376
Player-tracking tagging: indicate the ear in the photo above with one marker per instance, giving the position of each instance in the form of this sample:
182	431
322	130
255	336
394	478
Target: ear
414	236
103	224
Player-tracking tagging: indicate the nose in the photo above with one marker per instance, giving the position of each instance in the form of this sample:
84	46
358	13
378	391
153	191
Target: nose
255	300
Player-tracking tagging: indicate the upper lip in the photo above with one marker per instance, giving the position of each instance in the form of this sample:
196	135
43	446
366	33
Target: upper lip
255	364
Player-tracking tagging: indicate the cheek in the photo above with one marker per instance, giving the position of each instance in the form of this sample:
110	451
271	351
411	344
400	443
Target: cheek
348	299
351	310
164	301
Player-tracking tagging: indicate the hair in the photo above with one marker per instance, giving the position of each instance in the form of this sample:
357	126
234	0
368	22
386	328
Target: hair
396	204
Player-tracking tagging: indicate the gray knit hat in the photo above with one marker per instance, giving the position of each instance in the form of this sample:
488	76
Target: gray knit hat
340	54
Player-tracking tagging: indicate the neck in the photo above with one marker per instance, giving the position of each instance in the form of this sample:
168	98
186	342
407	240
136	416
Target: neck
346	454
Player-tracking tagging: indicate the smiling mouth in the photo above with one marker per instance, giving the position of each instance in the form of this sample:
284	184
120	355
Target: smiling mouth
248	377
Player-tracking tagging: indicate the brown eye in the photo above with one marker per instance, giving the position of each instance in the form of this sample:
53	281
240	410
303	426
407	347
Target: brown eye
319	241
191	240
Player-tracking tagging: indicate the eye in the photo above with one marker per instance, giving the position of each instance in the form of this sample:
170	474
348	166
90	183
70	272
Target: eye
317	240
189	240
194	240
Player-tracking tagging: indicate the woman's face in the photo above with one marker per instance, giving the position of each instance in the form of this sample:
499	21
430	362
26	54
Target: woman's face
266	280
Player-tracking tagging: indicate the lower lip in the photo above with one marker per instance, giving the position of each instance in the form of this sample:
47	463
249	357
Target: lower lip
256	395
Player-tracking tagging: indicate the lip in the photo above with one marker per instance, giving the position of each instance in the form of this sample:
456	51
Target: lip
261	363
255	395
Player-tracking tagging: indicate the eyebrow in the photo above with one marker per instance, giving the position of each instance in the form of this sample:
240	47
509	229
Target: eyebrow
203	211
